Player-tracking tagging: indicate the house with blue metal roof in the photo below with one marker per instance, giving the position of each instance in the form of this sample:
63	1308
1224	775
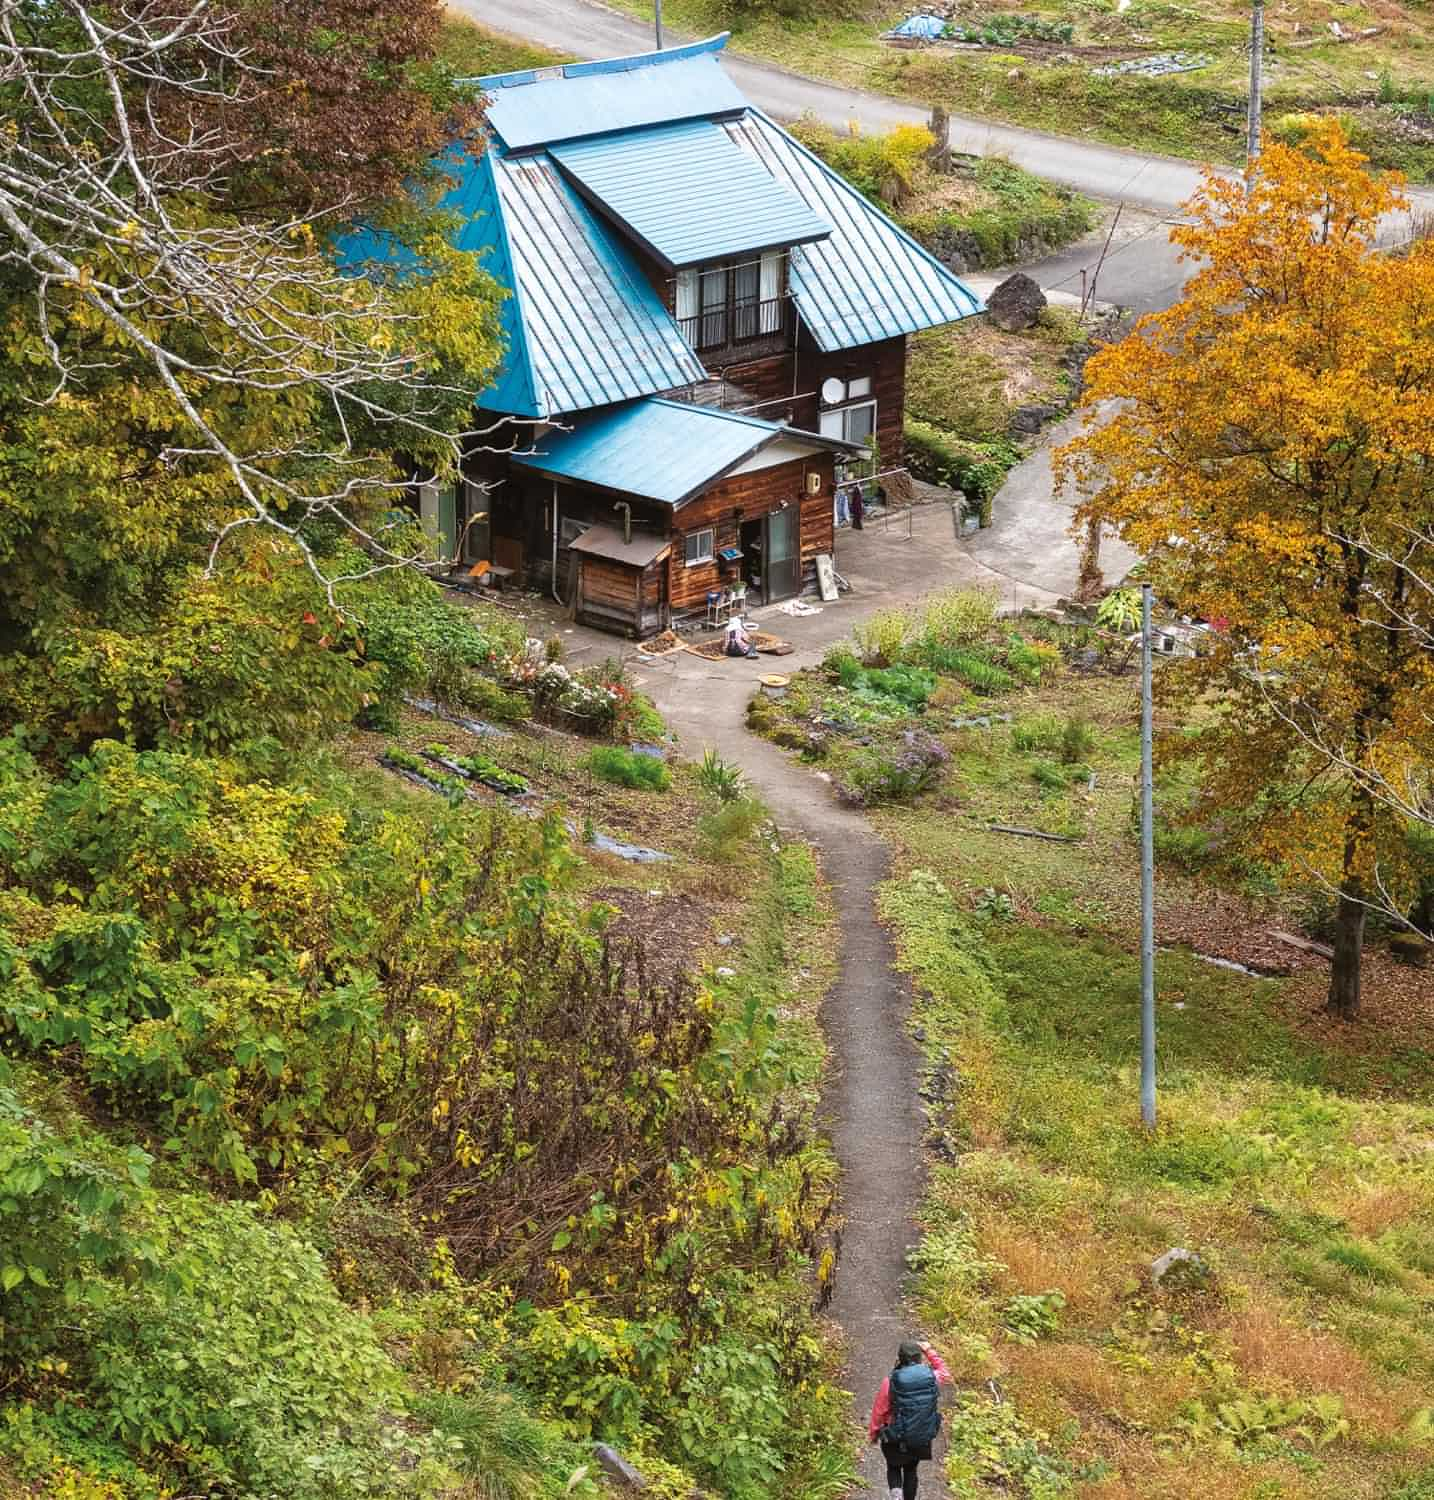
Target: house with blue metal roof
705	330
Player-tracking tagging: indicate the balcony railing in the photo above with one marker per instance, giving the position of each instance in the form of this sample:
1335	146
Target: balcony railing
741	322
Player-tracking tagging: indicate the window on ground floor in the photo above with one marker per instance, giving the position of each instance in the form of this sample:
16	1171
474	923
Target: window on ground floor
699	546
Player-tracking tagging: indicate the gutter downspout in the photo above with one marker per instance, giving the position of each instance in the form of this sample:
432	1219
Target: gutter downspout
557	526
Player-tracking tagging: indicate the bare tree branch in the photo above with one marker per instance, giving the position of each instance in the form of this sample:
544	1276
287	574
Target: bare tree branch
108	186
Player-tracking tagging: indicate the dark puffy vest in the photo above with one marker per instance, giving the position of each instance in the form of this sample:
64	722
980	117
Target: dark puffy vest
914	1418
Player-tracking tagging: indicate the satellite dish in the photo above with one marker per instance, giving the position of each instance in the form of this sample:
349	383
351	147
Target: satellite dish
832	391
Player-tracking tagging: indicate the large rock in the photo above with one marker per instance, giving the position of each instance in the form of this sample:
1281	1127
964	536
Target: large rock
1016	303
1179	1268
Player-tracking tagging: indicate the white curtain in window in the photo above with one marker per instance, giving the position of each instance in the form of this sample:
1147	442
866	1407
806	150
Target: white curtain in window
771	291
686	295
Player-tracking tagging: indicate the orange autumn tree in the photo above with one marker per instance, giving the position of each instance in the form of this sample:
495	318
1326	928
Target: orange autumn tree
1268	445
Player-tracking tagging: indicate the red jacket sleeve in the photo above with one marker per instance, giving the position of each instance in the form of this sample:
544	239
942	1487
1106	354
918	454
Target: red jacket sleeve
943	1375
880	1411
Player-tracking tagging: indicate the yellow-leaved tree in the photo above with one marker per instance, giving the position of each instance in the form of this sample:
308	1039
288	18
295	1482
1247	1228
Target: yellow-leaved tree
1268	444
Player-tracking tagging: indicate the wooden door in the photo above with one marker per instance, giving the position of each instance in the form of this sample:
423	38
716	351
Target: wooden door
783	554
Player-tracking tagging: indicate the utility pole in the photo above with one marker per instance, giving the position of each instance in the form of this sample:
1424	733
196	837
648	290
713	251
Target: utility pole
657	21
1257	64
1147	874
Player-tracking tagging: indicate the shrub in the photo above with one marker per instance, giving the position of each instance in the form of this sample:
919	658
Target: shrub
873	777
958	617
935	455
489	700
1031	662
1077	740
425	644
1186	847
1052	778
720	777
880	637
627	768
835	662
883	167
304	1424
730	828
510	1453
1027	1318
1043	732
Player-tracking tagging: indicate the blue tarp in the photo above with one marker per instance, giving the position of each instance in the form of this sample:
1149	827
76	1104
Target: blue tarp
920	28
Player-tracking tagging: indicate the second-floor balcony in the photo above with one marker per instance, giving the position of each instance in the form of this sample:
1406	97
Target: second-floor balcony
745	321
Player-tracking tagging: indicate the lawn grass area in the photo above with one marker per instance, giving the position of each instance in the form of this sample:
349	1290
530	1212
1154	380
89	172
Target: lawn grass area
473	51
1297	1170
1291	1155
1381	85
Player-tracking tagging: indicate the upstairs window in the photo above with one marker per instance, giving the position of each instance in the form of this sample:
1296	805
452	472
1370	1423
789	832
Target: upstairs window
731	303
853	424
698	546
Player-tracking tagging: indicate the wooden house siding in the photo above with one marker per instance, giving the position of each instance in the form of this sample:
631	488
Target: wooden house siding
747	497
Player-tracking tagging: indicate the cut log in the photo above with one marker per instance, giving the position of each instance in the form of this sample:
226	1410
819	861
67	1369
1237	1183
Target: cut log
1031	833
1305	945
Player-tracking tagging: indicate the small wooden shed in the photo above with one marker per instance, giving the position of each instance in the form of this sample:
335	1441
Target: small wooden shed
622	580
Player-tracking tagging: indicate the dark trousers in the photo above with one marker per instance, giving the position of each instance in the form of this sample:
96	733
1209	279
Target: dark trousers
900	1470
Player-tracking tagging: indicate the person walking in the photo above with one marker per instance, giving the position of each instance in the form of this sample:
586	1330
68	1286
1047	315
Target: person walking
856	505
904	1418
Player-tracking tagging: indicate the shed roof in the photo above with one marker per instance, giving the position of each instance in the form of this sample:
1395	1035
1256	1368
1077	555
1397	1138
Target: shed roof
868	280
607	541
540	106
689	193
661	450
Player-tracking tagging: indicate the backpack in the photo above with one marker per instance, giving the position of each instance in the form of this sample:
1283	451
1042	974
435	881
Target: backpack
915	1420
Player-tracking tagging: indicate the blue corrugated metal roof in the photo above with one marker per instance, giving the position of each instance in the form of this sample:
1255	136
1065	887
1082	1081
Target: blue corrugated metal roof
654	88
661	450
866	281
689	193
581	325
589	329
